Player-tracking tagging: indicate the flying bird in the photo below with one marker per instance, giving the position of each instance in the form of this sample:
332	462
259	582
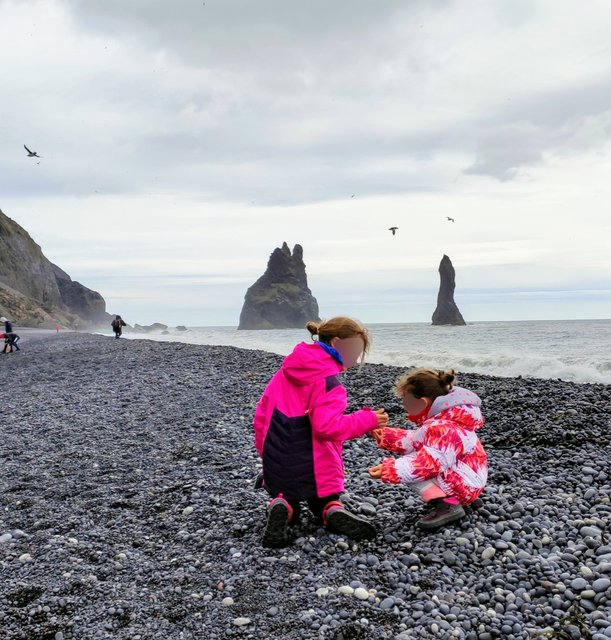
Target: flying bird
31	154
393	229
450	219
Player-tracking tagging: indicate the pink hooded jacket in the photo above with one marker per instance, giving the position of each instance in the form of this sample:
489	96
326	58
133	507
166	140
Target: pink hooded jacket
300	425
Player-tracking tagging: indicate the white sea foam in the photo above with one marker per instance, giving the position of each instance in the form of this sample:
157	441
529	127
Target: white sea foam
575	350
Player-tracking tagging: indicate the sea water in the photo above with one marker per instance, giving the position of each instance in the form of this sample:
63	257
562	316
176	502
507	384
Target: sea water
575	350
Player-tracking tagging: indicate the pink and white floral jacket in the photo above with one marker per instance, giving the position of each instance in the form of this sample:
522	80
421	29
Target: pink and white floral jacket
443	448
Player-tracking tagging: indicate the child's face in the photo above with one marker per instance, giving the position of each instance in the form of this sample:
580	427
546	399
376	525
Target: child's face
414	406
350	349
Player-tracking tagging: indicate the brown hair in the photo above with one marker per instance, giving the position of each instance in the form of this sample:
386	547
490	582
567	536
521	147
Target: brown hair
339	327
425	383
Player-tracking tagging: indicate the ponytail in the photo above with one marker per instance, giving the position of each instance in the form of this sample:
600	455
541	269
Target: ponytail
339	327
312	327
425	383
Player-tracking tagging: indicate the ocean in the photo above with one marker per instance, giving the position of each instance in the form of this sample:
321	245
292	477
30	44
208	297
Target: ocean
573	350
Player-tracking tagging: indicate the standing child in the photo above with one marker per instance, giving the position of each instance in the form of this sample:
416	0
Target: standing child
300	426
443	458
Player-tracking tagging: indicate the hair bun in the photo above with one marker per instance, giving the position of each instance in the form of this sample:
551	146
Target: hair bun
312	327
446	377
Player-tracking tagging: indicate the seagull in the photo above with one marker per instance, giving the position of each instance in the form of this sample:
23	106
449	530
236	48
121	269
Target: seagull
393	229
450	219
352	196
31	154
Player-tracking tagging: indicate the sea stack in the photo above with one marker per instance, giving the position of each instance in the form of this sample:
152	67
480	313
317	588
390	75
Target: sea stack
447	312
280	298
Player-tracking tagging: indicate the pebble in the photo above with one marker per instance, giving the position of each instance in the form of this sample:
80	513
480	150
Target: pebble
579	584
367	509
241	622
602	584
361	594
488	553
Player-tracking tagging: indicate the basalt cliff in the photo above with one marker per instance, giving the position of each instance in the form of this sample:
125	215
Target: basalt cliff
36	293
280	298
447	312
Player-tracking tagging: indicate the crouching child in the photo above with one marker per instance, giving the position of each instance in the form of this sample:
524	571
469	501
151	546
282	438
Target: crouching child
443	459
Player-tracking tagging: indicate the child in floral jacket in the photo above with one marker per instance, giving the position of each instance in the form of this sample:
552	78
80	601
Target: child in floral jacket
443	458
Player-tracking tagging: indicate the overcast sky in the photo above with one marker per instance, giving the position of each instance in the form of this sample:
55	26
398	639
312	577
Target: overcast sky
183	141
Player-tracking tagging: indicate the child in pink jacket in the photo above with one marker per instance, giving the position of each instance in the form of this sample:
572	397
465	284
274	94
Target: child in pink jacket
442	459
300	426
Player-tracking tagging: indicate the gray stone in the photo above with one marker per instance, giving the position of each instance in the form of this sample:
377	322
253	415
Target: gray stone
601	584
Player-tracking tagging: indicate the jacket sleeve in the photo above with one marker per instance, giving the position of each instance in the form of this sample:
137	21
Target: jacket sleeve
436	456
259	423
328	420
396	440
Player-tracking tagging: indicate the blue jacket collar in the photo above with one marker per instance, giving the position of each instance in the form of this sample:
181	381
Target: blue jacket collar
331	351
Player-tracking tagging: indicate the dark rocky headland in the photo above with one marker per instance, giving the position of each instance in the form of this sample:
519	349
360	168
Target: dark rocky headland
34	292
127	509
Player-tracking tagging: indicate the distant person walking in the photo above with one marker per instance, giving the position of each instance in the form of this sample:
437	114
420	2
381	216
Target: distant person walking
10	337
57	328
117	326
10	342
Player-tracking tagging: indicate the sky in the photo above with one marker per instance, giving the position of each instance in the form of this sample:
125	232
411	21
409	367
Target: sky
181	142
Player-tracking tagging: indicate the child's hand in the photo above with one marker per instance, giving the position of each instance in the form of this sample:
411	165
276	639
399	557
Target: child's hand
375	472
382	417
376	434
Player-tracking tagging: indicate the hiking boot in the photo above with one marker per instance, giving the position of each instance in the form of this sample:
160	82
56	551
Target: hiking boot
276	532
338	518
441	513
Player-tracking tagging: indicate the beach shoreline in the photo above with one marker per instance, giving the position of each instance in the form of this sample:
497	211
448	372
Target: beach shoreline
127	508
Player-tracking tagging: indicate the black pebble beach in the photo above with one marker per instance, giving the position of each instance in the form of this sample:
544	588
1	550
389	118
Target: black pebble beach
127	509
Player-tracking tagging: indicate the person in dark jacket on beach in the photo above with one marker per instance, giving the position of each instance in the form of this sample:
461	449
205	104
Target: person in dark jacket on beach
300	424
10	337
8	325
117	326
10	341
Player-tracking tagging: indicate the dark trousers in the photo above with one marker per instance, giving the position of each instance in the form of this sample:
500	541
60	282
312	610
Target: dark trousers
11	341
315	505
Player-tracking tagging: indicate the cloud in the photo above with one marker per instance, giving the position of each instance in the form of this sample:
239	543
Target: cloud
502	152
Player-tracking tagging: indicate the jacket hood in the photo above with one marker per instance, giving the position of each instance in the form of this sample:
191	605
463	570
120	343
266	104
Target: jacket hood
460	405
308	363
457	397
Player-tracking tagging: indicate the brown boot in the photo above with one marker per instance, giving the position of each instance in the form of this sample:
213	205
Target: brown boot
441	513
